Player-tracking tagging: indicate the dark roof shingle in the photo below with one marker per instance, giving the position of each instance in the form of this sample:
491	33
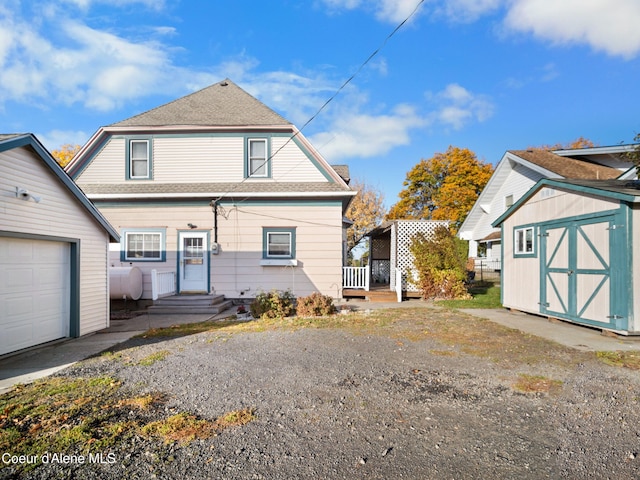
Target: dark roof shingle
220	104
567	167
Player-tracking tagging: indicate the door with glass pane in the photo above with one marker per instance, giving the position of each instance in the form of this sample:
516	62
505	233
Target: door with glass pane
193	262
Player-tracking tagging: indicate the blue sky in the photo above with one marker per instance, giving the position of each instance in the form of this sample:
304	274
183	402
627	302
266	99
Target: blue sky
488	75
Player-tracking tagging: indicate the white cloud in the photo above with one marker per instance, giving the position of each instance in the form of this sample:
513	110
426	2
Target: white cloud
605	25
391	11
360	135
610	26
466	10
457	106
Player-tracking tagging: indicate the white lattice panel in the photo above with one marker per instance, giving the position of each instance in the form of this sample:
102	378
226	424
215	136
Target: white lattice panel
406	230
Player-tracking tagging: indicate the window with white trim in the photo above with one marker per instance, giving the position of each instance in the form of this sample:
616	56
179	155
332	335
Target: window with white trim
257	158
279	243
143	246
139	159
524	241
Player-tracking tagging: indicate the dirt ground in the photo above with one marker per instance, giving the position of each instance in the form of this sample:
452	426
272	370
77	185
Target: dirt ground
426	394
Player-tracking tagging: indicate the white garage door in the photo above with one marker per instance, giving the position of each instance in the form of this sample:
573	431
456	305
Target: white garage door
34	292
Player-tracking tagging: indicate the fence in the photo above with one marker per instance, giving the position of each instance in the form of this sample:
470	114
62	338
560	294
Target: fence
356	277
163	284
488	269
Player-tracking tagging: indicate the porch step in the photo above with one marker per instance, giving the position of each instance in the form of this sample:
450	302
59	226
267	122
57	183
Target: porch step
186	304
383	295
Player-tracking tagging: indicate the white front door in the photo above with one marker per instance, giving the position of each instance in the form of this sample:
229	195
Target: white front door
193	261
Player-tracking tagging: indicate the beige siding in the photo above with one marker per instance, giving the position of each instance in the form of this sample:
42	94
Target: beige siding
109	166
58	214
203	159
521	276
236	271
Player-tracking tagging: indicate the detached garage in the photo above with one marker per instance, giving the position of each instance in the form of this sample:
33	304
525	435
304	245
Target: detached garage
53	250
568	252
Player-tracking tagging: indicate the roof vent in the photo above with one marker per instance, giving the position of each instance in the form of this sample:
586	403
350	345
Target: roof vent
224	83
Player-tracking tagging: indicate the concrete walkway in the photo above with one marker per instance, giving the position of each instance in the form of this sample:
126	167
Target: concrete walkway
40	362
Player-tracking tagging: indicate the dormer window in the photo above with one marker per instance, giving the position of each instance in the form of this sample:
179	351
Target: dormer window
258	163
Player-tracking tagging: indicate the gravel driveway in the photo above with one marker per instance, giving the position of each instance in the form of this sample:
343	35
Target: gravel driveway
331	403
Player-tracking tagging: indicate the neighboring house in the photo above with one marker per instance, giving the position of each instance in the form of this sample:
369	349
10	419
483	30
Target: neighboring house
221	190
53	250
518	171
569	252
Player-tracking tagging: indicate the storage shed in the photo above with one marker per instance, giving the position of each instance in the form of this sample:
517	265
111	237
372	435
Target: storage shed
53	250
568	252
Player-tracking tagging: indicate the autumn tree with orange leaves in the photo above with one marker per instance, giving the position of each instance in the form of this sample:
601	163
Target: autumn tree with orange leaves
444	187
366	211
65	153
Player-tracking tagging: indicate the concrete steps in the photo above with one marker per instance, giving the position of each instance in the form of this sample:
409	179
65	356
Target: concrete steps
186	304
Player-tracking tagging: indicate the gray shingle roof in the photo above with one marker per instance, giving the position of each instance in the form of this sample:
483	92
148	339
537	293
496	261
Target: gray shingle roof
567	167
220	104
233	189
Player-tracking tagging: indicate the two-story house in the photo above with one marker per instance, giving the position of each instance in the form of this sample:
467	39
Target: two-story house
518	171
221	190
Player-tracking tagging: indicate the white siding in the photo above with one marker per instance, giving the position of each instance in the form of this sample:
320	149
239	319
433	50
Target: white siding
236	270
58	214
634	320
518	182
201	159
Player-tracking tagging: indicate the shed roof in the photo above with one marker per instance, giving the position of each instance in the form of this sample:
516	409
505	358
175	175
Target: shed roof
222	104
624	190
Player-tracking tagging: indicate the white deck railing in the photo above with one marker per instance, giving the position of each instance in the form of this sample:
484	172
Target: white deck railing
356	277
163	284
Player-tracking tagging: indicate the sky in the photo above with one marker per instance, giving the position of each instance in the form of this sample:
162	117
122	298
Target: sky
487	75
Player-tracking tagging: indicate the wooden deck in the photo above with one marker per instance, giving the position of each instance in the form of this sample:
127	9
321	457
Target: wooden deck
378	293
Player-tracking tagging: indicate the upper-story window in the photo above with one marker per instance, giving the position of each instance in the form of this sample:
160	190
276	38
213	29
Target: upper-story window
258	164
139	158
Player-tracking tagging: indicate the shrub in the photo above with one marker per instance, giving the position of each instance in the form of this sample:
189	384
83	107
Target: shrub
274	304
441	264
315	305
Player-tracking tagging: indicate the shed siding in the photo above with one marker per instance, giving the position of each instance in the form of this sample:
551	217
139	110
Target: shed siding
57	215
236	269
521	276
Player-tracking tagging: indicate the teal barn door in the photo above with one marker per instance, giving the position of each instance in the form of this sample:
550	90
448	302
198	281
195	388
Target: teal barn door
580	272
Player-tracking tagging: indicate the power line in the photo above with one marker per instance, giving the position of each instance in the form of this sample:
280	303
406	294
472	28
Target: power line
335	94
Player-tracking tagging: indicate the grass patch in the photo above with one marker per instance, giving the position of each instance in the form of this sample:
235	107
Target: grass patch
629	360
184	428
484	295
82	416
153	358
536	384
